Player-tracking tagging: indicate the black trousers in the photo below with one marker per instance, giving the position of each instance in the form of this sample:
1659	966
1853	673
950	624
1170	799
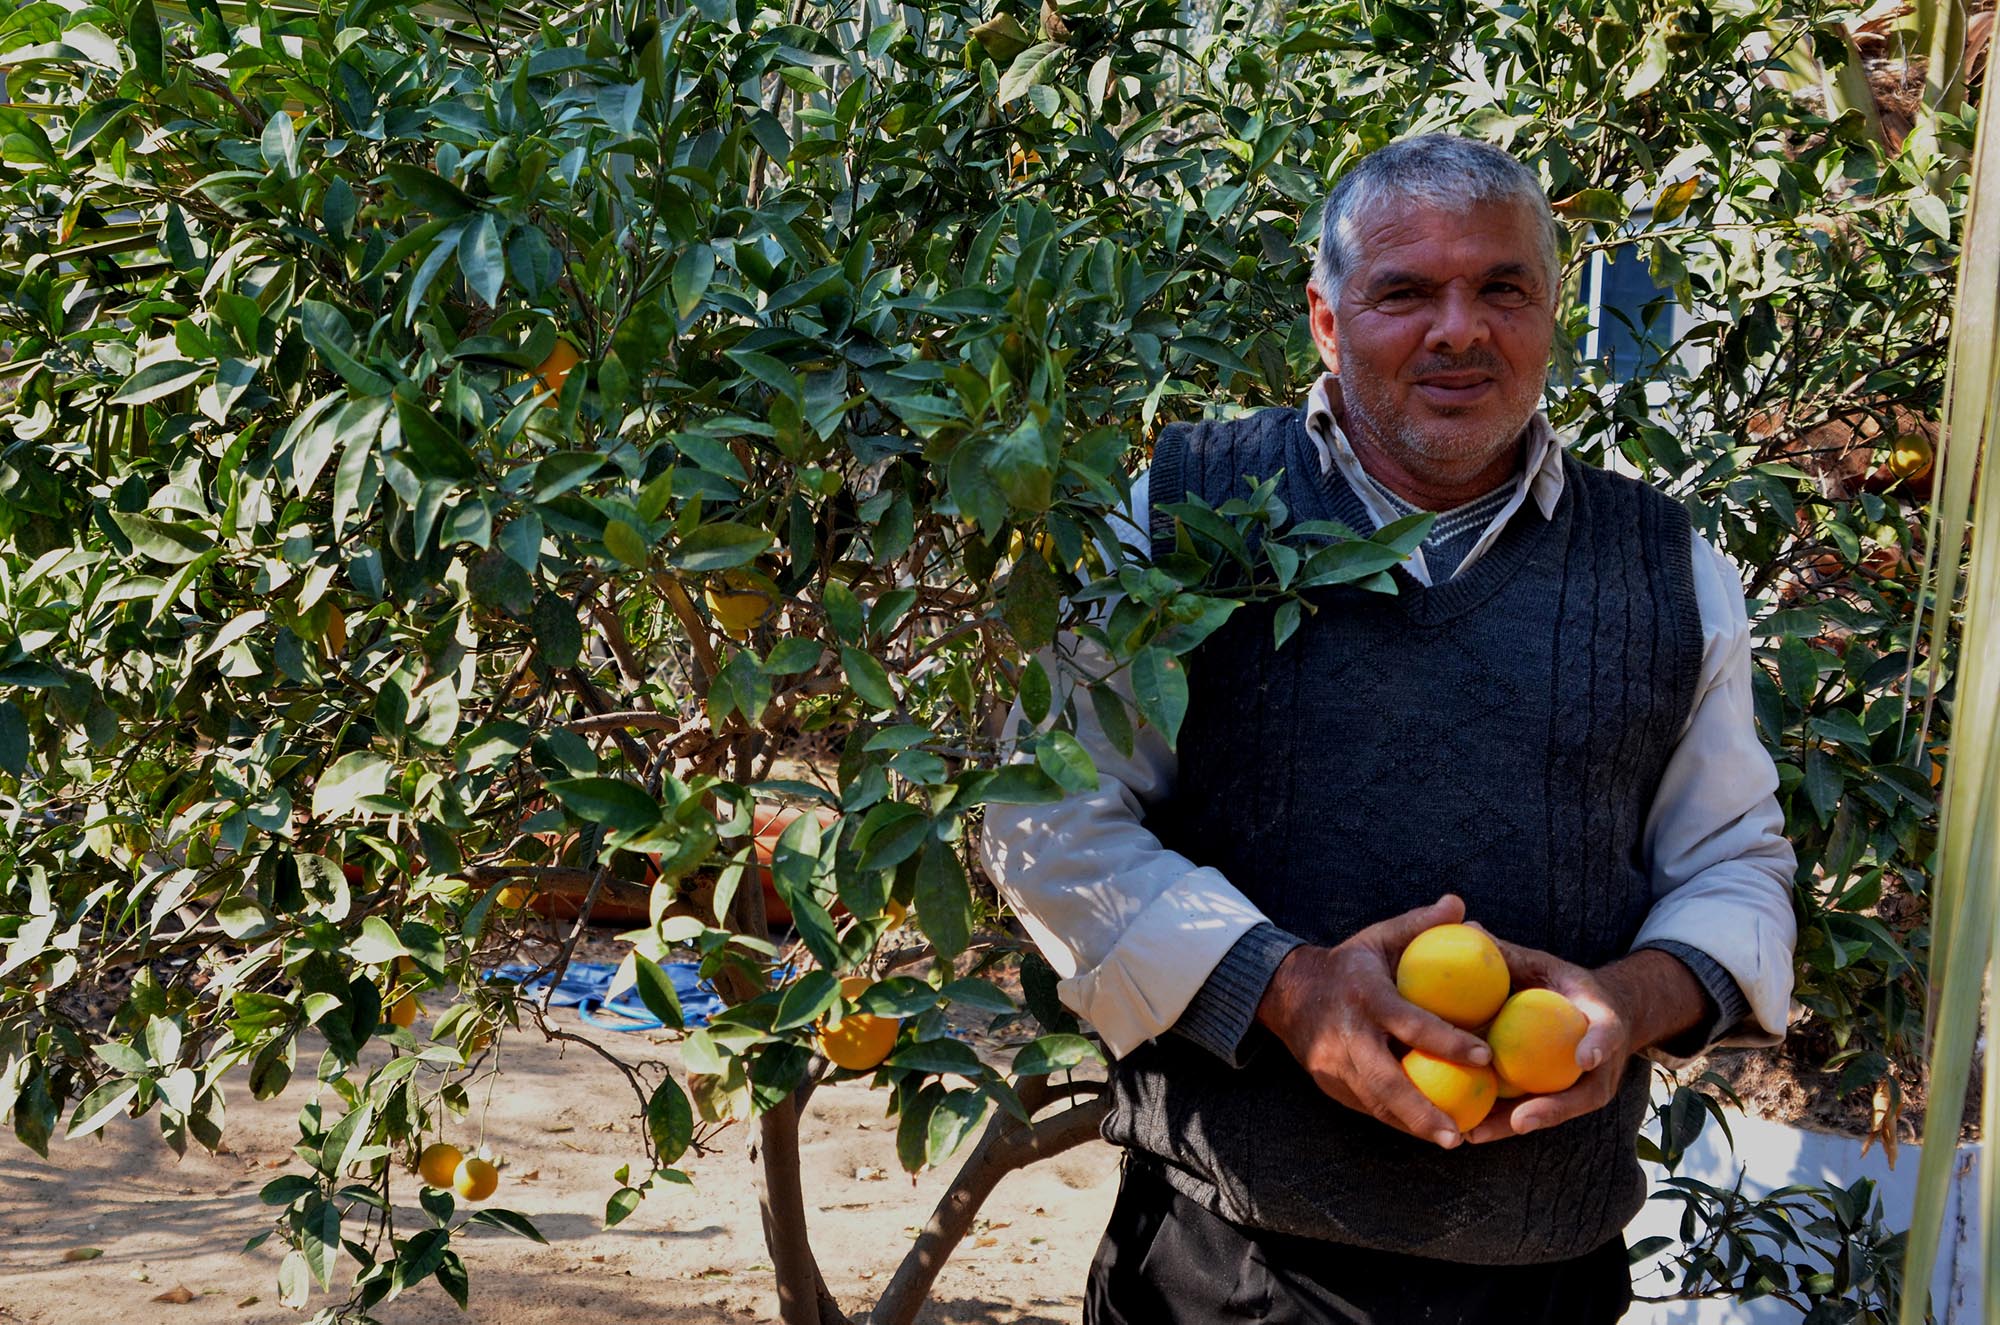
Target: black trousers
1165	1260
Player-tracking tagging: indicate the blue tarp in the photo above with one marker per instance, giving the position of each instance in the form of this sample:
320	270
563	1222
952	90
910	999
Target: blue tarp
584	985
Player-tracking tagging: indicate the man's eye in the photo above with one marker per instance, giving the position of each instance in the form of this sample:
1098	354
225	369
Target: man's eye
1506	292
1400	296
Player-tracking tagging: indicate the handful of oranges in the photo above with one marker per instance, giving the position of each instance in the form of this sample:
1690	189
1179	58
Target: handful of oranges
1456	972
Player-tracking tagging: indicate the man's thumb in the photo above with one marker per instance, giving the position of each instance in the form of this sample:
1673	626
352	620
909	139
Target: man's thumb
1397	931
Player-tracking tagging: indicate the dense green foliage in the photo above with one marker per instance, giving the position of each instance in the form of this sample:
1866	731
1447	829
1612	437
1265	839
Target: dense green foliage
327	608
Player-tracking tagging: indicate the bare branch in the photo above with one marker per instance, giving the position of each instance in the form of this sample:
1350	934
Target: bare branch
1004	1146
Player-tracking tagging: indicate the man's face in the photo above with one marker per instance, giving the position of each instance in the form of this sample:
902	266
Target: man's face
1441	332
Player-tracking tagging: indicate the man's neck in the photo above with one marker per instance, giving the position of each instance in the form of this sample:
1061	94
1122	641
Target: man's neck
1424	484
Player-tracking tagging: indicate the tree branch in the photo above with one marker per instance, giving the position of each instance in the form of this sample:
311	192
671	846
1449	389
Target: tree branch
1004	1146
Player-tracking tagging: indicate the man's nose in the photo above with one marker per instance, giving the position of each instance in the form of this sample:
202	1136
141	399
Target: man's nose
1460	323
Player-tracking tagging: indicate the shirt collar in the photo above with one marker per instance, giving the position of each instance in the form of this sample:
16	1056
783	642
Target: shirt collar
1541	477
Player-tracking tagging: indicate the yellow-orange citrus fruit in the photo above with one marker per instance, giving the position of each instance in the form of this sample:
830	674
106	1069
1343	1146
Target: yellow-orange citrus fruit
513	897
1464	1091
895	913
738	604
554	370
1455	972
861	1040
1534	1041
403	1012
438	1165
1910	456
475	1179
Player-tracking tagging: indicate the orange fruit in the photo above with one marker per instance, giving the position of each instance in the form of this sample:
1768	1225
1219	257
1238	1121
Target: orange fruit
403	1012
859	1041
513	896
438	1165
554	370
475	1179
739	606
1534	1041
895	913
1455	972
1464	1091
1910	456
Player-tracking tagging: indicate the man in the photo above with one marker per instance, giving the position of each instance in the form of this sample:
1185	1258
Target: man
1547	731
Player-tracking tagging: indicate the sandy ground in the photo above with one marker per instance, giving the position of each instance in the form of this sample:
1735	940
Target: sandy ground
561	1124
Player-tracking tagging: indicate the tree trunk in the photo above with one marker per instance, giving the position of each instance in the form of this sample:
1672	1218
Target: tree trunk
802	1296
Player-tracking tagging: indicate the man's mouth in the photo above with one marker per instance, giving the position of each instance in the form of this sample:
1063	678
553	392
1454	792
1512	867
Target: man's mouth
1455	388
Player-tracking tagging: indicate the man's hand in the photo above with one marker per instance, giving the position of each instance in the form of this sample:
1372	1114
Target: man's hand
1632	1004
1337	1010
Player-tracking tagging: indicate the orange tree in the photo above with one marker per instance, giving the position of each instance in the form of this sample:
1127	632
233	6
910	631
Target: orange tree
451	453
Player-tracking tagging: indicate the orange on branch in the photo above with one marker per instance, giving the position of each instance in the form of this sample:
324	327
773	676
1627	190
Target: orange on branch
860	1040
1534	1041
475	1179
403	1012
1455	972
737	604
554	370
1464	1091
438	1165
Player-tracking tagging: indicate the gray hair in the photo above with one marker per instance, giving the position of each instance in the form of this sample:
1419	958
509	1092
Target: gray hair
1431	170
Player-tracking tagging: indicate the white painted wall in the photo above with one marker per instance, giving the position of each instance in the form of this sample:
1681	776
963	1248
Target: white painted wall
1771	1155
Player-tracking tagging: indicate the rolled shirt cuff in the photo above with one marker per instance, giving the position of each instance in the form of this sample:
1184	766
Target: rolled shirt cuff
1224	1010
1727	1006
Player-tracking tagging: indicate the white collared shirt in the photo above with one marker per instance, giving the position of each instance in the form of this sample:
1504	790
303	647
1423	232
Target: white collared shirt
1133	929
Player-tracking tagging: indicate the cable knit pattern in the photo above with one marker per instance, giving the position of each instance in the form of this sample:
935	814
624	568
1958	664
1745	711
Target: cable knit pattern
1499	735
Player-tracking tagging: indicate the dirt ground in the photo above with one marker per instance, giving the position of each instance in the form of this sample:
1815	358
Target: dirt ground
561	1124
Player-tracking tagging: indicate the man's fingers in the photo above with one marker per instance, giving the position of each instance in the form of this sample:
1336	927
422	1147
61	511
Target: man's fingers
1538	1112
1394	934
1385	1091
1423	1030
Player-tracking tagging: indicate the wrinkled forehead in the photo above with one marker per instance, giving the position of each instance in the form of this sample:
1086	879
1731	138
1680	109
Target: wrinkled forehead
1472	237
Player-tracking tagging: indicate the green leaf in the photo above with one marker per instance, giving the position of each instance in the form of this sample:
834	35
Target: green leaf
148	45
868	677
93	123
353	776
1159	687
482	259
612	802
805	1000
1067	763
719	546
692	274
951	1122
156	380
424	190
940	1056
669	1121
101	1106
508	1221
621	1205
491	743
944	899
656	991
435	449
174	544
13	739
624	542
1030	68
557	631
1055	1053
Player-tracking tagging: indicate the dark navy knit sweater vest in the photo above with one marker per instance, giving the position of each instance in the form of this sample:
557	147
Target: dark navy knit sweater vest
1500	736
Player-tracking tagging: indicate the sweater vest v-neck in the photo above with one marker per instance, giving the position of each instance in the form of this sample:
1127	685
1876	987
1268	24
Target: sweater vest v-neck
1500	736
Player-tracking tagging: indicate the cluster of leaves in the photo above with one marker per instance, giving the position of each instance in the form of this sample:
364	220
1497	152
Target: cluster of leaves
403	408
1827	1252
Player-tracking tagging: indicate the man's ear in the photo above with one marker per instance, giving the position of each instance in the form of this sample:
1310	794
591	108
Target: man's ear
1319	318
